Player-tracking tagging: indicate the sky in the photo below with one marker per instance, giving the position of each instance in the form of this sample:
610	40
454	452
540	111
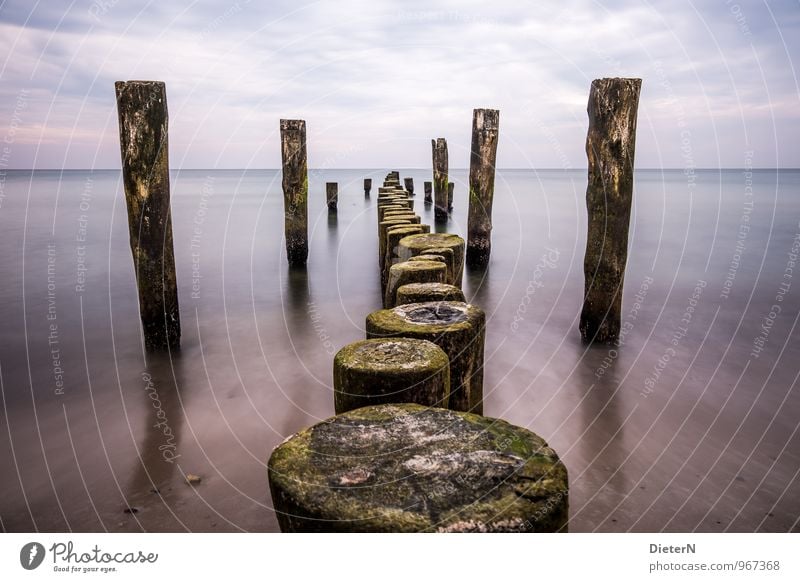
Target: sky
376	80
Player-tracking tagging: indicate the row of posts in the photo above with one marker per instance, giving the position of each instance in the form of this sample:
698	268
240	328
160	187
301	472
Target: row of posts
610	145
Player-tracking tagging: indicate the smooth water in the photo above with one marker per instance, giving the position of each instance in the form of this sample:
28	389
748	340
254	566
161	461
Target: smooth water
690	424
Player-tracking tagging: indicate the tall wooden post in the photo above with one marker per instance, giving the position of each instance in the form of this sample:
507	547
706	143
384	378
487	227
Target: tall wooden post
295	189
143	131
485	131
332	195
440	169
610	145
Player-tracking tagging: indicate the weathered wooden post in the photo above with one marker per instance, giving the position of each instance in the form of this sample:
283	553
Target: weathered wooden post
143	131
610	145
411	468
485	131
457	328
332	194
428	186
451	186
367	186
397	370
451	246
295	189
425	292
411	272
409	184
440	169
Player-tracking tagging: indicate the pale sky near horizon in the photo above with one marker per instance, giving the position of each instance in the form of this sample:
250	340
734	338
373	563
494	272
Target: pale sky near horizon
376	80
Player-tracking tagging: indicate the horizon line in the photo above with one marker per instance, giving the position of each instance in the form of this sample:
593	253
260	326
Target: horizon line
385	168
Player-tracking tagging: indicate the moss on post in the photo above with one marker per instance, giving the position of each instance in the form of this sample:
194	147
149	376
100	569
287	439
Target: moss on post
390	242
144	145
434	243
411	272
457	328
295	189
409	468
427	292
389	371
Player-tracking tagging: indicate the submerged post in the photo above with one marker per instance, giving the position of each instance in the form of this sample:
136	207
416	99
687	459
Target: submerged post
367	186
409	184
610	145
440	169
332	194
295	189
428	189
143	132
485	130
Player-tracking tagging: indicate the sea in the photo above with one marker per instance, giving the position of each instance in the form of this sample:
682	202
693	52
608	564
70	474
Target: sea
688	423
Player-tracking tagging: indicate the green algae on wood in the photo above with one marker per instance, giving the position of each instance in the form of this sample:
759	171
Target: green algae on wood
409	468
456	327
432	243
426	292
144	145
383	226
390	242
610	145
295	189
389	371
483	157
412	272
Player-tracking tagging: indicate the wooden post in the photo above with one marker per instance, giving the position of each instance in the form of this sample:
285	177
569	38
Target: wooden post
410	468
428	190
485	130
450	189
367	186
409	184
610	145
457	328
295	189
440	169
398	370
411	272
332	194
143	130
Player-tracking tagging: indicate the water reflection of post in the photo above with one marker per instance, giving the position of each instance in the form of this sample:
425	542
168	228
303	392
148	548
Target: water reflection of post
303	318
160	450
478	289
603	446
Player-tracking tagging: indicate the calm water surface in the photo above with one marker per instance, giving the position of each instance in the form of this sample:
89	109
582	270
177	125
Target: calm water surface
690	424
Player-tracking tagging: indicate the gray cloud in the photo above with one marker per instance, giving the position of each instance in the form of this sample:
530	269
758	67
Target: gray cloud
377	80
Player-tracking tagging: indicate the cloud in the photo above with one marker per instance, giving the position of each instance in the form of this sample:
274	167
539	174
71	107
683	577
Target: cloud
377	80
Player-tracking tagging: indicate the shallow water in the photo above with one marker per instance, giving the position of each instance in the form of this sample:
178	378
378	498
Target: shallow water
686	426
